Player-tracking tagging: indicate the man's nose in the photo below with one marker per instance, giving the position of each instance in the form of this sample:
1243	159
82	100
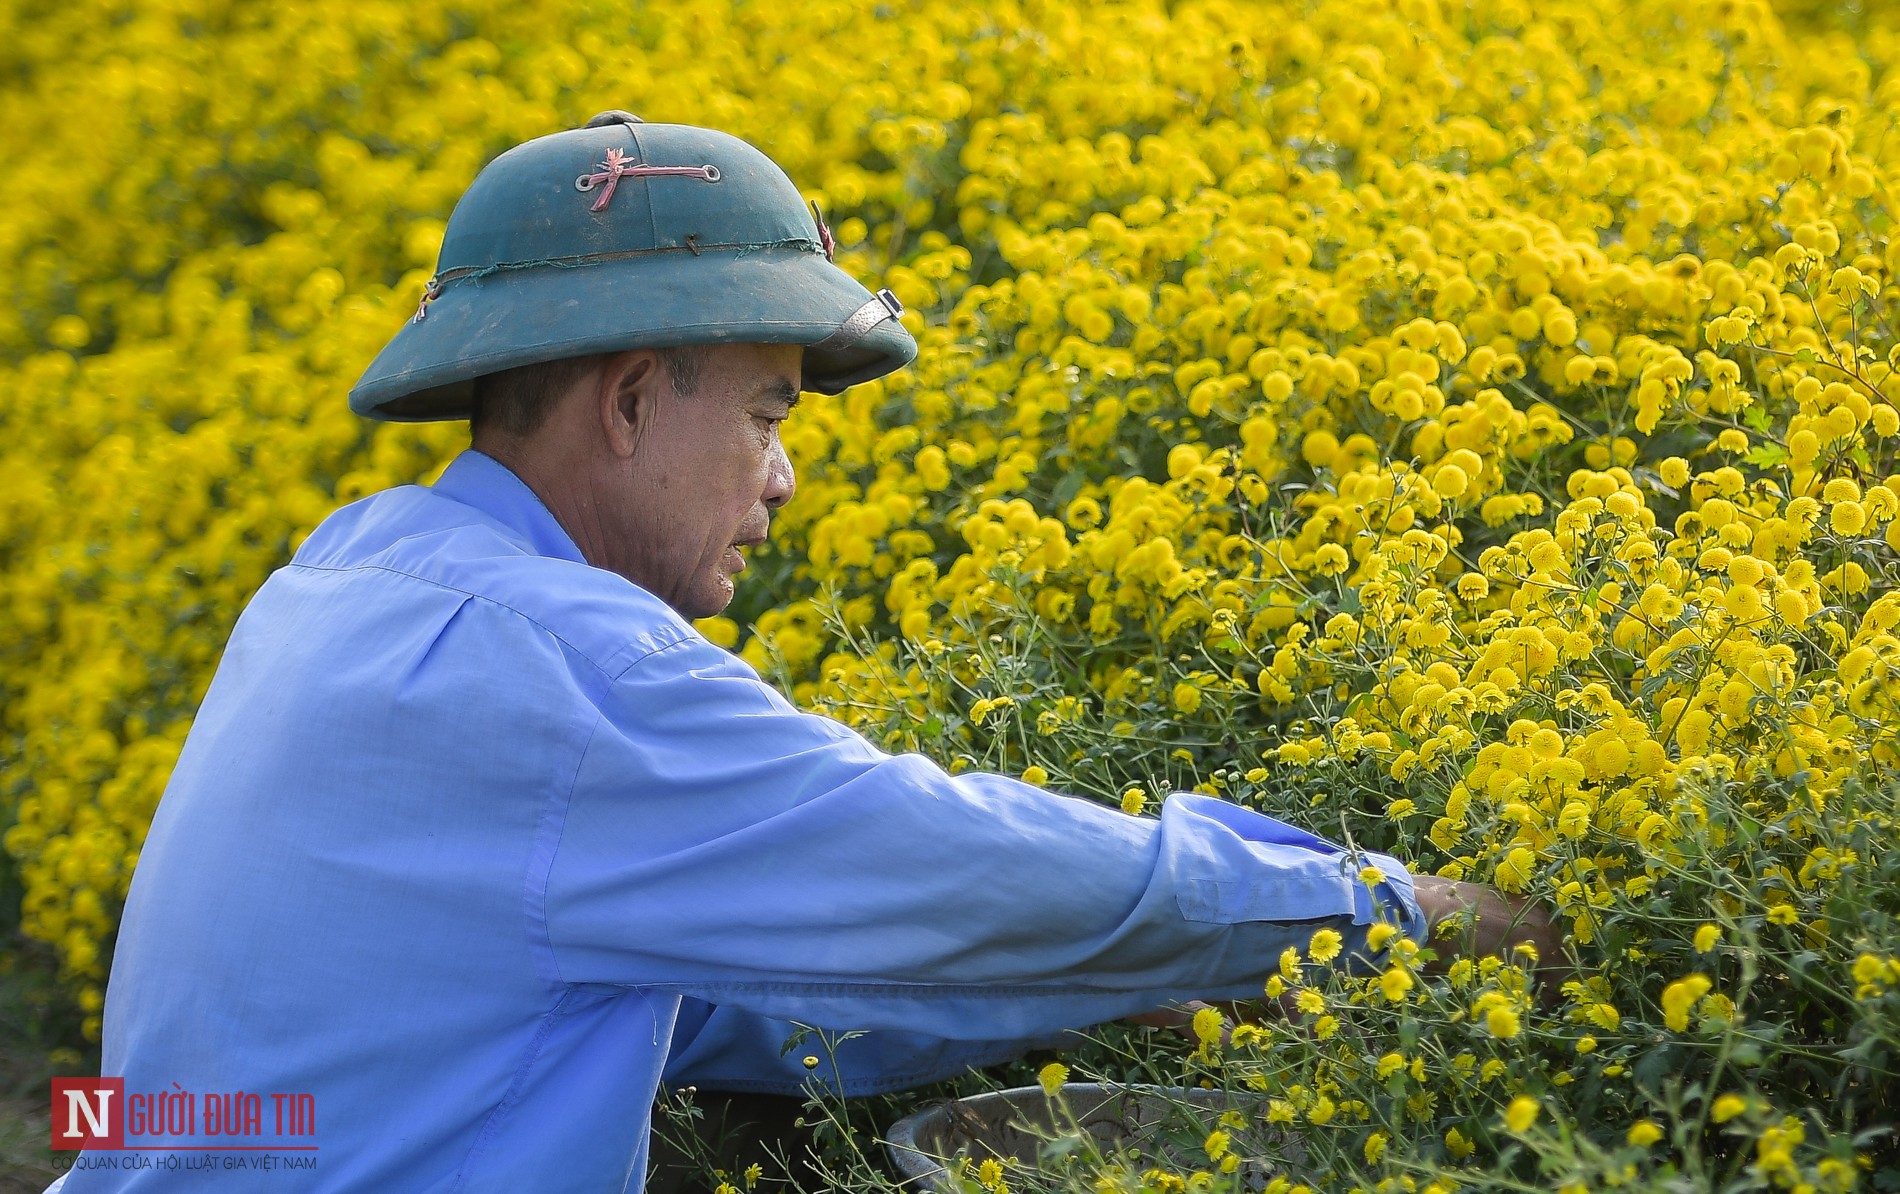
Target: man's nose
780	481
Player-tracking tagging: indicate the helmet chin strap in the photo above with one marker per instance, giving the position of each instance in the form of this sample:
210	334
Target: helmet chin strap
857	325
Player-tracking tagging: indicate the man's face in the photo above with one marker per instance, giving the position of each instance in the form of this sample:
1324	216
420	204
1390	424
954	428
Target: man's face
705	476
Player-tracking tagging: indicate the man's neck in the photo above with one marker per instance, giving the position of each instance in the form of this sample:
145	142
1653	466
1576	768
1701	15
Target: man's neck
567	488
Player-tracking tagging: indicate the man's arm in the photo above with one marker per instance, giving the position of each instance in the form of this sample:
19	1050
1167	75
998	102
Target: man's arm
1478	921
722	844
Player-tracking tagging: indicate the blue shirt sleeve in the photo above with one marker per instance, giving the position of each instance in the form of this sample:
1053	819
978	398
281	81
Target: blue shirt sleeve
719	843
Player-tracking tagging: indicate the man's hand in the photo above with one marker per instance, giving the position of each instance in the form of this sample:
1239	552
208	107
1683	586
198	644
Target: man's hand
1179	1019
1497	923
1494	923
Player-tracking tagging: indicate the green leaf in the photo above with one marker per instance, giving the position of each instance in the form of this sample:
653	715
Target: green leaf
1066	489
1767	456
1060	1147
1651	1068
800	1034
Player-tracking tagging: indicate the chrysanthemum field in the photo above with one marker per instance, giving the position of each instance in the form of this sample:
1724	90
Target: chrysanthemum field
1467	428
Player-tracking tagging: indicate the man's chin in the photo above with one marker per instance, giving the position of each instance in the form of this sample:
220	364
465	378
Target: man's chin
705	604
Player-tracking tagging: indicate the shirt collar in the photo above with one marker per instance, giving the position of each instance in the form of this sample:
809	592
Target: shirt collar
478	480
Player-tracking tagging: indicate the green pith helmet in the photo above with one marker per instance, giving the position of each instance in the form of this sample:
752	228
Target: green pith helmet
629	235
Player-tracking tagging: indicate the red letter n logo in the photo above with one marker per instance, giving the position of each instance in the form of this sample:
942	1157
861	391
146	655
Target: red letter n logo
88	1113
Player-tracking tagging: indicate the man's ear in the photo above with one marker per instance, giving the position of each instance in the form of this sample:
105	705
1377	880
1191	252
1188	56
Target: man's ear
625	400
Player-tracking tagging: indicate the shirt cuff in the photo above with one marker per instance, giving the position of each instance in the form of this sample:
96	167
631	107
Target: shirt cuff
1392	900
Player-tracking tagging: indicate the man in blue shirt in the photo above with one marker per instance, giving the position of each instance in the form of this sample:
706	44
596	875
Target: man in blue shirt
475	837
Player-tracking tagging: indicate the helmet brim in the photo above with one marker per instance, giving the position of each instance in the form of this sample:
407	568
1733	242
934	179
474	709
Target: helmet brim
482	324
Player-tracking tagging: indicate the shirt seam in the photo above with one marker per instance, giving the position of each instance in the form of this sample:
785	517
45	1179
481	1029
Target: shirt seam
537	901
512	1096
554	854
557	636
620	675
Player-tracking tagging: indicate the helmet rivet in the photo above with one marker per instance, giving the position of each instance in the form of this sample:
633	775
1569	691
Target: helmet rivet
612	116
